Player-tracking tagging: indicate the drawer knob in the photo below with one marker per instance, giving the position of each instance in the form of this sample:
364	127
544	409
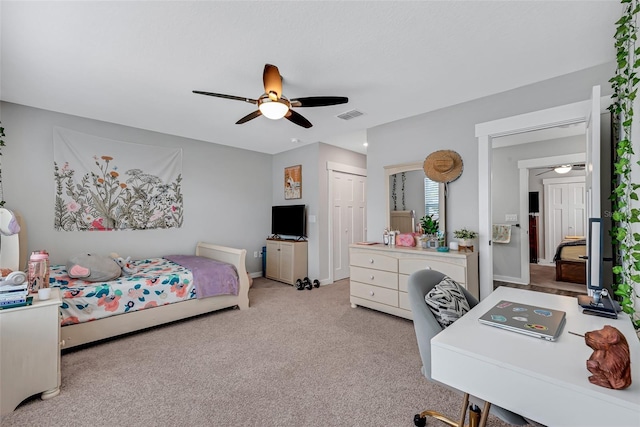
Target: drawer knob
371	260
371	293
371	277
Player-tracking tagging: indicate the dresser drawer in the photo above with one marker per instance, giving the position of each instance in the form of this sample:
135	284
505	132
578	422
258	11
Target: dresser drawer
374	293
372	260
456	272
375	277
403	300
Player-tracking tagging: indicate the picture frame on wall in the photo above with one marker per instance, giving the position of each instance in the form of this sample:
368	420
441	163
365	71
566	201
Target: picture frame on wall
293	182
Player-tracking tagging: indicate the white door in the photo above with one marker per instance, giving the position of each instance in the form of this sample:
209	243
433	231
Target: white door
348	218
564	213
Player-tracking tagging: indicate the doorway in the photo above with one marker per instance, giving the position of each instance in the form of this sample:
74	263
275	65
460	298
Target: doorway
587	112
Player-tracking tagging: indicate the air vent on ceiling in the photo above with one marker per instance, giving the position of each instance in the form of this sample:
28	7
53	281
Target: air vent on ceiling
351	114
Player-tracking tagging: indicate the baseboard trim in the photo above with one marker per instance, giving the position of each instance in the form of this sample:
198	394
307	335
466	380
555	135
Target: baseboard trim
516	280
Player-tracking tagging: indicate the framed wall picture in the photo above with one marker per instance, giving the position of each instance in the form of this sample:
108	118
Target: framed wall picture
293	182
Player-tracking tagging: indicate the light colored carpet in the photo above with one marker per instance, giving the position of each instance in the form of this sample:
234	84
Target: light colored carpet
295	358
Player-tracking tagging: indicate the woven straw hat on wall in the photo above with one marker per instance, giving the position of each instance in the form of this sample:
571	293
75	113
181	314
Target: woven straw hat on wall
443	166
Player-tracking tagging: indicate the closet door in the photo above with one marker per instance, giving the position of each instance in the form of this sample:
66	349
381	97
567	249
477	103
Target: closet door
565	211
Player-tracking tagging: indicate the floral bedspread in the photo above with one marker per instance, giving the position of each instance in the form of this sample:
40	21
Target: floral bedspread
157	281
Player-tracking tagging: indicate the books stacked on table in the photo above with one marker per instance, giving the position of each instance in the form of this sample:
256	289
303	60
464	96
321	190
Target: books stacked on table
13	295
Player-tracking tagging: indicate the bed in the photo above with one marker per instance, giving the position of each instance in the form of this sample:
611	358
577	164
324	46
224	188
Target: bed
570	266
160	291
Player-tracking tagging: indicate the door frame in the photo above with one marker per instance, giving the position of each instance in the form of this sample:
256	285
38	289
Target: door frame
331	168
563	115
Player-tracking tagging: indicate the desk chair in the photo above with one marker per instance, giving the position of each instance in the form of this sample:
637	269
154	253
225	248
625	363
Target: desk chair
426	326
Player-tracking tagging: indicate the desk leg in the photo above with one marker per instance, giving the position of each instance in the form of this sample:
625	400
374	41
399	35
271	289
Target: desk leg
485	414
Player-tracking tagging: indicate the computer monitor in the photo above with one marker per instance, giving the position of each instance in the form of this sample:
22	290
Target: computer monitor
598	301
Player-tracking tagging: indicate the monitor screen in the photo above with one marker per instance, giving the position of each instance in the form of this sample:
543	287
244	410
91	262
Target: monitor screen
594	254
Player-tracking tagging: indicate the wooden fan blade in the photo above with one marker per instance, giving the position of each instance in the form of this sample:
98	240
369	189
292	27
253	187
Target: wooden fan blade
319	101
221	95
298	119
248	117
272	82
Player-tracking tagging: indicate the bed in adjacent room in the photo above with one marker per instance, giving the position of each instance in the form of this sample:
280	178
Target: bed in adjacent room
570	264
160	290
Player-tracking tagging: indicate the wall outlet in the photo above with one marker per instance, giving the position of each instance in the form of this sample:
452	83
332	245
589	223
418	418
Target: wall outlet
511	217
255	254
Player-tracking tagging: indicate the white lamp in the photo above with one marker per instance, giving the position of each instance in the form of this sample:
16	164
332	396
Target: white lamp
271	109
563	169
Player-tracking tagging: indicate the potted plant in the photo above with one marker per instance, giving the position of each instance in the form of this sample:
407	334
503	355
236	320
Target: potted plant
429	225
465	236
430	228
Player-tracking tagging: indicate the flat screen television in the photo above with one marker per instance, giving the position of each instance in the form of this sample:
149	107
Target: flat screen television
289	220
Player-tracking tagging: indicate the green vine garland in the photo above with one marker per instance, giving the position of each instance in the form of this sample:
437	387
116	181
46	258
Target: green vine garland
625	195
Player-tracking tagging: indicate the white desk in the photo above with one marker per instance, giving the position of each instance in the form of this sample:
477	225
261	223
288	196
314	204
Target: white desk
540	380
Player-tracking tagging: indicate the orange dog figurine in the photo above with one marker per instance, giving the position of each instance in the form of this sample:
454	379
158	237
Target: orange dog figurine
610	362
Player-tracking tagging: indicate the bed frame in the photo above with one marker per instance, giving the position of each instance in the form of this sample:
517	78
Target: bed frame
83	333
571	271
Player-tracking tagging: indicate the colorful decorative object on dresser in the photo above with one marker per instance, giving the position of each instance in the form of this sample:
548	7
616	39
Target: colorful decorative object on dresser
102	184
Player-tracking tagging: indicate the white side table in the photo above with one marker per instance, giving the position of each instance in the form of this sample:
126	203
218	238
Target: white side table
30	351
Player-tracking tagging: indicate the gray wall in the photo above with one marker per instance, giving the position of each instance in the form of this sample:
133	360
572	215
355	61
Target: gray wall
315	177
227	199
412	139
506	193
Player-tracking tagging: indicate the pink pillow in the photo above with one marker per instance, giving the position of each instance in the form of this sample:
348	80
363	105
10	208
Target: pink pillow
405	240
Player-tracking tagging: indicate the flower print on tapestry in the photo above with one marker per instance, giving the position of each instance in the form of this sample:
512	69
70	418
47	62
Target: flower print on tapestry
102	184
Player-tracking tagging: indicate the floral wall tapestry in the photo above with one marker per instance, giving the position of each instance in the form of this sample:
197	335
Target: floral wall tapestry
102	184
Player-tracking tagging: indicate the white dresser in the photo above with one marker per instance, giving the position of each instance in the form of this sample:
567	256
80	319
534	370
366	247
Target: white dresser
30	351
379	274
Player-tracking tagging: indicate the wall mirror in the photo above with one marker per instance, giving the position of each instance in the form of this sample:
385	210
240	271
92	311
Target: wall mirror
412	193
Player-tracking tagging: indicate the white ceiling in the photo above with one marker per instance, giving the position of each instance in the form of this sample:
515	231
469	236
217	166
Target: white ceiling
136	63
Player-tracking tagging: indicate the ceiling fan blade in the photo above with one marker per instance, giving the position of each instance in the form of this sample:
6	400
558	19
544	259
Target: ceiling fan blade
272	82
248	117
221	95
319	101
541	173
298	119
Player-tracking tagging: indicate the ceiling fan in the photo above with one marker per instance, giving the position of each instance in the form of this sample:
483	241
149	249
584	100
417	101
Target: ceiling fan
273	105
562	169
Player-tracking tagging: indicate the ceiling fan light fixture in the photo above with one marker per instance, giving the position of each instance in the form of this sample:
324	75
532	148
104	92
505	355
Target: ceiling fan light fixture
273	109
563	169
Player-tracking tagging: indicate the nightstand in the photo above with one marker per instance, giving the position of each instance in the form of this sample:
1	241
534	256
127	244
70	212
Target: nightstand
30	351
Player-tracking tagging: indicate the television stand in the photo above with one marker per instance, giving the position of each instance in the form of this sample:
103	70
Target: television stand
600	304
286	260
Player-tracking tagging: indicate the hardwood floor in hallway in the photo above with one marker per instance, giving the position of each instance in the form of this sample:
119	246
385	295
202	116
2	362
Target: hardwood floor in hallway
543	280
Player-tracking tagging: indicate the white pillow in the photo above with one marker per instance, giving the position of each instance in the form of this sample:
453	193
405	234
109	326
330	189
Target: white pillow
447	302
